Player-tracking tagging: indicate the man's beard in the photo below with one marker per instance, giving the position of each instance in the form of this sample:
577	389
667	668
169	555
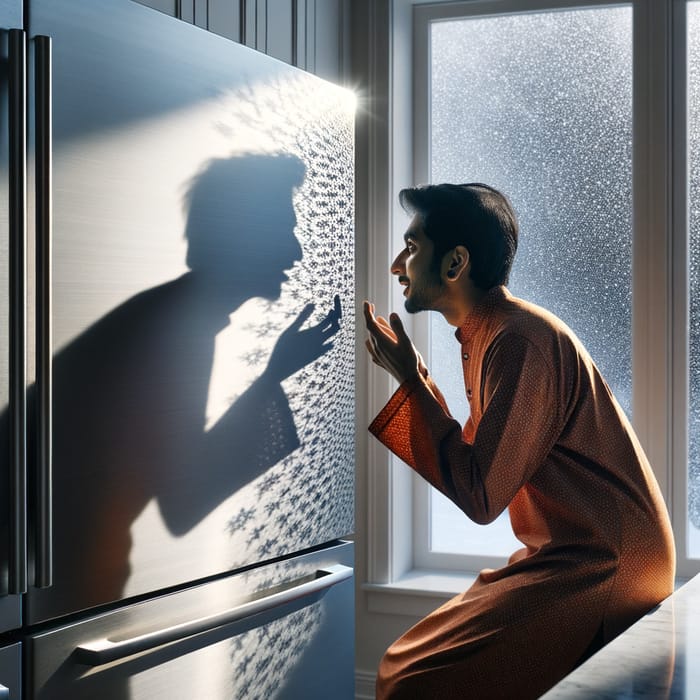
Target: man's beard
423	296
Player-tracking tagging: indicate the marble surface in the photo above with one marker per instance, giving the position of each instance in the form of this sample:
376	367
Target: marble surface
656	658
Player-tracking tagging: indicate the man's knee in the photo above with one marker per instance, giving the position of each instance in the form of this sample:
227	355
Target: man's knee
391	678
399	679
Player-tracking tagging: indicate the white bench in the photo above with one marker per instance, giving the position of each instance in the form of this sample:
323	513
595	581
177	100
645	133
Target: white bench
658	657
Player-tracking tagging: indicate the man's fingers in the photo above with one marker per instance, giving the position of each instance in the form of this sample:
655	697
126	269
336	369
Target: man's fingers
397	327
369	344
386	329
335	314
337	309
374	323
303	316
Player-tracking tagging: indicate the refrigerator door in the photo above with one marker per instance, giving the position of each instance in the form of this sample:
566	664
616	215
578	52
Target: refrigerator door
11	672
203	406
10	612
301	647
10	19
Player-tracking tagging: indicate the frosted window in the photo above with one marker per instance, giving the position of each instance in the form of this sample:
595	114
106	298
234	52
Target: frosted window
694	277
540	106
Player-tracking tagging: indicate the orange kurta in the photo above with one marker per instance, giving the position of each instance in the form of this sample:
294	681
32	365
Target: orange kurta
547	440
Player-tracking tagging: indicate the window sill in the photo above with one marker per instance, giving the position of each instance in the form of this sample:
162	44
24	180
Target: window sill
420	591
417	593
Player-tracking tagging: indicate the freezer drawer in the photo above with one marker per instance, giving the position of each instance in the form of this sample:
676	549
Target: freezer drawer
10	672
293	638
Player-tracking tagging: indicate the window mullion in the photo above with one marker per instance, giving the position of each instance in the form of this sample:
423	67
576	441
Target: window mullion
680	409
651	325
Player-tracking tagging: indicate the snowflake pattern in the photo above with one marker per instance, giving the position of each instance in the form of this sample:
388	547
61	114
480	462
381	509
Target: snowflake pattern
307	498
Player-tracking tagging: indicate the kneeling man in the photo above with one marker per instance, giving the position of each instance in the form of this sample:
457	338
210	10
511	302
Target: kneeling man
545	439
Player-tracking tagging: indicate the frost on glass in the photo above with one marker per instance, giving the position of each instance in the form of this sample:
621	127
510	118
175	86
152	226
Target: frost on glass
694	277
540	106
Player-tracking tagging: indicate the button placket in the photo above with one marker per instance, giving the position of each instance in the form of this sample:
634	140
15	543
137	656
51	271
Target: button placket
465	358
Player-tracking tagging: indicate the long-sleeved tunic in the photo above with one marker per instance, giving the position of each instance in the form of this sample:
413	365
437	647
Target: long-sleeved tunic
547	440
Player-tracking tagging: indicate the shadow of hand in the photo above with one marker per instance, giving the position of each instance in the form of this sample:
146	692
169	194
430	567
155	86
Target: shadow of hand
297	348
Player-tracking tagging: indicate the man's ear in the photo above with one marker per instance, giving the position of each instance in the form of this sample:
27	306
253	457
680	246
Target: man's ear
456	263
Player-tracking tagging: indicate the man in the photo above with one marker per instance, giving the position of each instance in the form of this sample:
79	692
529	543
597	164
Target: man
545	439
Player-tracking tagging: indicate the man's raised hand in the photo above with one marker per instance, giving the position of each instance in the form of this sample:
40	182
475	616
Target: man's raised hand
389	346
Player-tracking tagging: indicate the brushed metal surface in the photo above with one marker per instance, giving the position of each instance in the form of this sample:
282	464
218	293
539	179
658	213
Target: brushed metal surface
10	17
203	308
300	650
10	14
10	612
11	672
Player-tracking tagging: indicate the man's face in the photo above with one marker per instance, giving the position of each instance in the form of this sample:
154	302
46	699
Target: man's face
417	272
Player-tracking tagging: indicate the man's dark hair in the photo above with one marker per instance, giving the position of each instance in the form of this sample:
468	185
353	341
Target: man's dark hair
474	215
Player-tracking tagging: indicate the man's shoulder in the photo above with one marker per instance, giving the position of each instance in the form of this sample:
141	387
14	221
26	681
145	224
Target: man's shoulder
541	327
517	313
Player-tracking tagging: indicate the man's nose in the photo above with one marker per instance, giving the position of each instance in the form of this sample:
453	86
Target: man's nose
398	267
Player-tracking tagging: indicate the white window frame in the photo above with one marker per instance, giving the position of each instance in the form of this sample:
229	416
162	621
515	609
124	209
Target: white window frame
398	510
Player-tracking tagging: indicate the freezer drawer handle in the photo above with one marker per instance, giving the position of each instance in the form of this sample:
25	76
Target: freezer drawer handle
4	693
17	579
103	651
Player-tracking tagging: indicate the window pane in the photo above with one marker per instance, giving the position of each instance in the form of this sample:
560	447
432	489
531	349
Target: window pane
694	277
539	105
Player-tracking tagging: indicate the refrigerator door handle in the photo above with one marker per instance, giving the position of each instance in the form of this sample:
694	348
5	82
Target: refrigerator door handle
43	117
17	578
103	651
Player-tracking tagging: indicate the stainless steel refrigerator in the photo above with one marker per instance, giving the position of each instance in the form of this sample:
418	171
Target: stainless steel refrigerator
176	370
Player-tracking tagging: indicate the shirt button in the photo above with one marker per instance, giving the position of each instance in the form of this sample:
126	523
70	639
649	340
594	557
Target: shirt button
465	355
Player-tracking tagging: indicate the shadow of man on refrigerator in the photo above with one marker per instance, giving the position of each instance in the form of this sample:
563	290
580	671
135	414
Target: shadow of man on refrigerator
130	393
